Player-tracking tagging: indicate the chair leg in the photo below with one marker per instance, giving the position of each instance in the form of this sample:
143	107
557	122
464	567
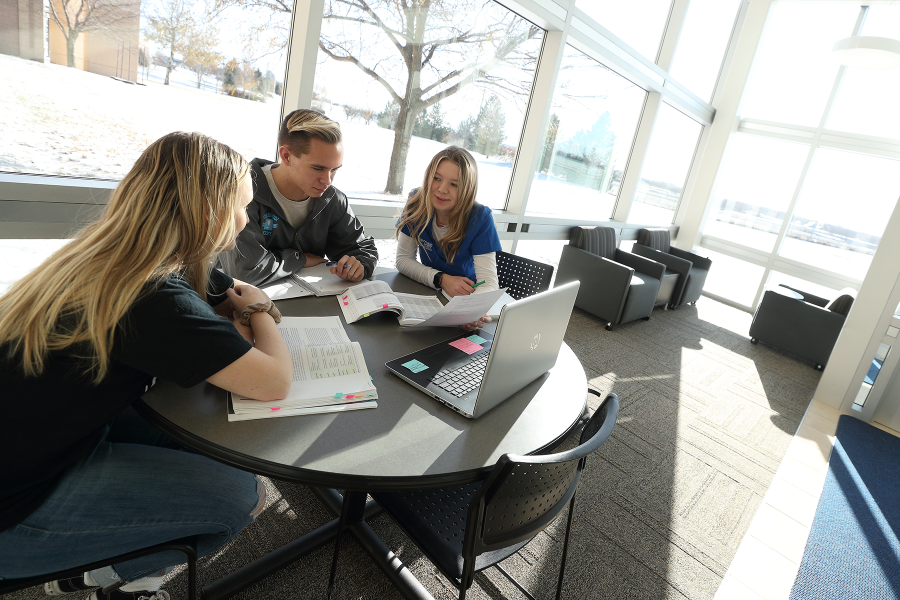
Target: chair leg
562	566
514	582
351	513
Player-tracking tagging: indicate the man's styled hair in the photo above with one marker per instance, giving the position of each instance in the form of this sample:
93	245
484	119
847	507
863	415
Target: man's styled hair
300	126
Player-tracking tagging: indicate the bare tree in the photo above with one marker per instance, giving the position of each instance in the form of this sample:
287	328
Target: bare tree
421	52
74	17
199	51
171	23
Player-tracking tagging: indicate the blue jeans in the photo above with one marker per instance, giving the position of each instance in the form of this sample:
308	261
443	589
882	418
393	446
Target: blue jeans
134	490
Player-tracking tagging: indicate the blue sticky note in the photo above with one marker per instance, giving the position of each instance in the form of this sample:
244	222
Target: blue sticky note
415	366
476	339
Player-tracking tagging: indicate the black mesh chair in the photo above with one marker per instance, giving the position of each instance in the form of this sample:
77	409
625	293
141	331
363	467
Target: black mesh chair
186	546
467	528
522	277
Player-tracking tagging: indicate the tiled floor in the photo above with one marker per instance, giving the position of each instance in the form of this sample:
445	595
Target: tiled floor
768	559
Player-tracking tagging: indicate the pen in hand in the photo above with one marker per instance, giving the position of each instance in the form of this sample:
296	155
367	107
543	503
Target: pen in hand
475	285
331	263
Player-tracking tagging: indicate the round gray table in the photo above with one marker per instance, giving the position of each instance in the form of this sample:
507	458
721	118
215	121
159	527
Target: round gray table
410	441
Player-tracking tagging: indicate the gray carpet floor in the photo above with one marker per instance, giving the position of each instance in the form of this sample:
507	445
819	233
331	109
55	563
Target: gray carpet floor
705	420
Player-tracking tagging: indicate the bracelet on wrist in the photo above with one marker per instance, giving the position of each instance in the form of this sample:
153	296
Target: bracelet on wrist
267	307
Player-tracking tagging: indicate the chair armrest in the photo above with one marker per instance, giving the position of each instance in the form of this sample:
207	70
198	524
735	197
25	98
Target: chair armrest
679	265
641	264
604	283
701	262
811	298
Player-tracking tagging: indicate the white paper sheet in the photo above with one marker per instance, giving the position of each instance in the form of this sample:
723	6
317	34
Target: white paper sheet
463	309
284	289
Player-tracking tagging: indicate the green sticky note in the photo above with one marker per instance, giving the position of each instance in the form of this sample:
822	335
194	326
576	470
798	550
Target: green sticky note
476	338
415	366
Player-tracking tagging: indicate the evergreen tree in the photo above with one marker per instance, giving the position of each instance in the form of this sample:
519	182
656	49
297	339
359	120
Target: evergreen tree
490	128
387	118
465	133
549	143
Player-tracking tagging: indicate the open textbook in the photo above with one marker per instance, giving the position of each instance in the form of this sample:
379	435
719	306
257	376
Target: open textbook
309	281
414	310
330	373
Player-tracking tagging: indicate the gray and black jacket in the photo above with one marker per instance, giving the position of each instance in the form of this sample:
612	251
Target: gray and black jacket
269	249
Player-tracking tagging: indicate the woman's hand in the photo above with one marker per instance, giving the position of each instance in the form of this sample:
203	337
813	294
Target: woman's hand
457	286
477	324
242	295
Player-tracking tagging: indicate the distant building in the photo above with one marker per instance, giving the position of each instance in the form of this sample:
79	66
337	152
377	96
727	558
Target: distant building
22	28
110	49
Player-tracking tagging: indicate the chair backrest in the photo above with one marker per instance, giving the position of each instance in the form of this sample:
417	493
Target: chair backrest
523	494
596	240
658	239
841	305
522	277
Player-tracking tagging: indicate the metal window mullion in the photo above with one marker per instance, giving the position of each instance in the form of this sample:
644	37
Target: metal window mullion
632	175
537	117
302	52
671	34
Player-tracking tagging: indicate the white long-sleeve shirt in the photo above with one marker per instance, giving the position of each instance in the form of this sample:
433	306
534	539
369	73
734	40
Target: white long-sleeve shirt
407	263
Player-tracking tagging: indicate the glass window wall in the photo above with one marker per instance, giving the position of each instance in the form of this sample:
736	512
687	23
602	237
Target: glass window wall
406	81
753	192
793	71
638	24
104	92
732	278
842	211
594	116
666	165
702	43
874	89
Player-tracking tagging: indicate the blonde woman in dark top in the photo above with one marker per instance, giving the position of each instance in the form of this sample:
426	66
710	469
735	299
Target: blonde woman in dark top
131	298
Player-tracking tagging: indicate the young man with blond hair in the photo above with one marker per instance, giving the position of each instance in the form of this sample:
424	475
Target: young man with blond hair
297	217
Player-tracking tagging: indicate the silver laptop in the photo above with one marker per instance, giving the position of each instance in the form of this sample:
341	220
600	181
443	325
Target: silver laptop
472	380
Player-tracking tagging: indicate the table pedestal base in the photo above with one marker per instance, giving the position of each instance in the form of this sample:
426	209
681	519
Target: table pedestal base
400	576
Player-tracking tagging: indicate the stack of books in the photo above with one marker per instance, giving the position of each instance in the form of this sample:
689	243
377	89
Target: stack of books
330	373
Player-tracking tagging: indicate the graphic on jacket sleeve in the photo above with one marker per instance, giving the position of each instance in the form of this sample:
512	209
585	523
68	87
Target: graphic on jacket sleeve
269	223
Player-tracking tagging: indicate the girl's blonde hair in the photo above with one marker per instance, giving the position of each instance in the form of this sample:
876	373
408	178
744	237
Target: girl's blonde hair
169	216
302	125
419	210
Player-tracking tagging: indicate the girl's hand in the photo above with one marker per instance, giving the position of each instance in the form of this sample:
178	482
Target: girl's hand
457	286
477	324
242	295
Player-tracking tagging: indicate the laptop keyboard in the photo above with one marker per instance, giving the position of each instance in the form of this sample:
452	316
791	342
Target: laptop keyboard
464	379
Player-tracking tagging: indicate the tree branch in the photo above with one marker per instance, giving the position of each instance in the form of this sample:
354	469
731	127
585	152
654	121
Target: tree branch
353	60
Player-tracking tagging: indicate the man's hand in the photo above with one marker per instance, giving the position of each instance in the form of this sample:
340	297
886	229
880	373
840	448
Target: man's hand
349	268
456	286
313	260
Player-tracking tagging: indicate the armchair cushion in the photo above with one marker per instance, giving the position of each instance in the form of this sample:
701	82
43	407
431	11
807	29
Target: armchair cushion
596	240
841	305
658	239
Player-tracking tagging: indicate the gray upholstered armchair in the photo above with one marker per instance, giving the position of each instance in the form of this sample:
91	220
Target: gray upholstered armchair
800	322
691	269
616	286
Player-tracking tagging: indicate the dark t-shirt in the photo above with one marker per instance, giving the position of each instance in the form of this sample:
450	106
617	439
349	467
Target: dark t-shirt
48	423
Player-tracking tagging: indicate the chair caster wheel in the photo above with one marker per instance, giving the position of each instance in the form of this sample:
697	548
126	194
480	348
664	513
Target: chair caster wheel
754	341
820	368
609	326
646	318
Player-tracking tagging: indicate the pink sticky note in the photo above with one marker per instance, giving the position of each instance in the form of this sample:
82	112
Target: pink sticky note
384	306
346	303
344	298
348	396
275	408
466	346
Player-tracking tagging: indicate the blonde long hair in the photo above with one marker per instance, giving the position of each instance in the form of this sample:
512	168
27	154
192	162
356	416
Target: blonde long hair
170	215
418	212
